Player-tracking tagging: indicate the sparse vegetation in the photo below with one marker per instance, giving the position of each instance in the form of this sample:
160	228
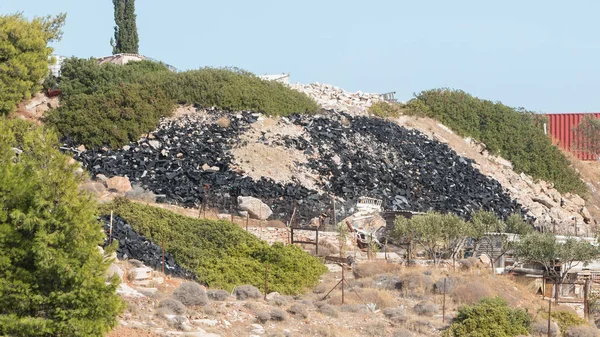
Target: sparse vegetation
581	331
222	254
587	136
515	134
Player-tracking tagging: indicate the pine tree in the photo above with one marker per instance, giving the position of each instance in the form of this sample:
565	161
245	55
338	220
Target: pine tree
52	275
126	36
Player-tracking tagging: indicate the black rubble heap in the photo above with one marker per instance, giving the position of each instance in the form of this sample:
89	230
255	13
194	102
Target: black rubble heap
135	246
355	156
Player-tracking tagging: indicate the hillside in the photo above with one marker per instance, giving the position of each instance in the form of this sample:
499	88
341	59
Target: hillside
409	162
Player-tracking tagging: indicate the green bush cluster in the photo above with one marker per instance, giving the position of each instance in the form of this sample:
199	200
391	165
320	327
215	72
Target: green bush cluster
221	253
489	317
565	320
514	134
385	109
112	104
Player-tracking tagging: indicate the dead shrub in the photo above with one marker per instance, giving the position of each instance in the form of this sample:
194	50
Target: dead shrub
470	293
375	330
402	332
420	326
451	282
396	315
245	292
173	305
425	309
217	295
163	312
278	315
322	288
388	282
263	316
349	308
417	284
465	264
190	294
329	311
540	329
281	300
368	269
381	298
581	331
210	311
223	122
298	310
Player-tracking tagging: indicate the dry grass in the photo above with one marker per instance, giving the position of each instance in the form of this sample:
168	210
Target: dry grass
471	292
369	269
382	298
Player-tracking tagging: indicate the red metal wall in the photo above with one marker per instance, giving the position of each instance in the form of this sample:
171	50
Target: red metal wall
560	128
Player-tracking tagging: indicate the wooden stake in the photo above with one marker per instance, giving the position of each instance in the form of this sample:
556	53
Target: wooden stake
444	303
163	256
111	226
247	220
266	277
343	281
586	308
549	315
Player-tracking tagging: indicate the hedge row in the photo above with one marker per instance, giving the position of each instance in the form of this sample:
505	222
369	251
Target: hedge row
514	134
222	253
112	104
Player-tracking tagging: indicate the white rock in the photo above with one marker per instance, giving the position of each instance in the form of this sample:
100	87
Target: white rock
255	207
155	144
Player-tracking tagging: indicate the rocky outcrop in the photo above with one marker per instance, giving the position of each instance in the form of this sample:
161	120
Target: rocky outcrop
560	213
255	207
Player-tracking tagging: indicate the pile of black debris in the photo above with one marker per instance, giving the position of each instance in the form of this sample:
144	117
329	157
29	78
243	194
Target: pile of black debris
355	156
135	246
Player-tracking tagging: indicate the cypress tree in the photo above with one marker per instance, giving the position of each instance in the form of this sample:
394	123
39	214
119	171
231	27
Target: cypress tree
52	275
126	36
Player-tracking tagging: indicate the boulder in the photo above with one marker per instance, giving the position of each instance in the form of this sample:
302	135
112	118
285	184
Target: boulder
94	187
255	207
119	184
544	200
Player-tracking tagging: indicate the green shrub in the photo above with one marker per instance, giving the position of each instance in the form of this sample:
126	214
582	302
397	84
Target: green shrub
112	116
25	55
222	254
489	317
112	104
565	320
231	89
514	134
385	109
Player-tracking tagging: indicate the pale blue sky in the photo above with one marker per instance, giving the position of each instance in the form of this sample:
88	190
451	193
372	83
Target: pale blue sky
542	55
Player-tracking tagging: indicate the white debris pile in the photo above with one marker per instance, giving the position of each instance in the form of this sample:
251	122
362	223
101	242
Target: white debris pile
330	97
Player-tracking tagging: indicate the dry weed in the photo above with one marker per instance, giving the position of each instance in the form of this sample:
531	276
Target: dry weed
368	269
223	122
470	293
382	298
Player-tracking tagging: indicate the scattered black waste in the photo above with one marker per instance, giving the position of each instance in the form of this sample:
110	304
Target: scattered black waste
356	156
135	246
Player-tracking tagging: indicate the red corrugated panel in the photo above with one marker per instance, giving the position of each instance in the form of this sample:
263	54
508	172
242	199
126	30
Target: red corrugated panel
561	130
